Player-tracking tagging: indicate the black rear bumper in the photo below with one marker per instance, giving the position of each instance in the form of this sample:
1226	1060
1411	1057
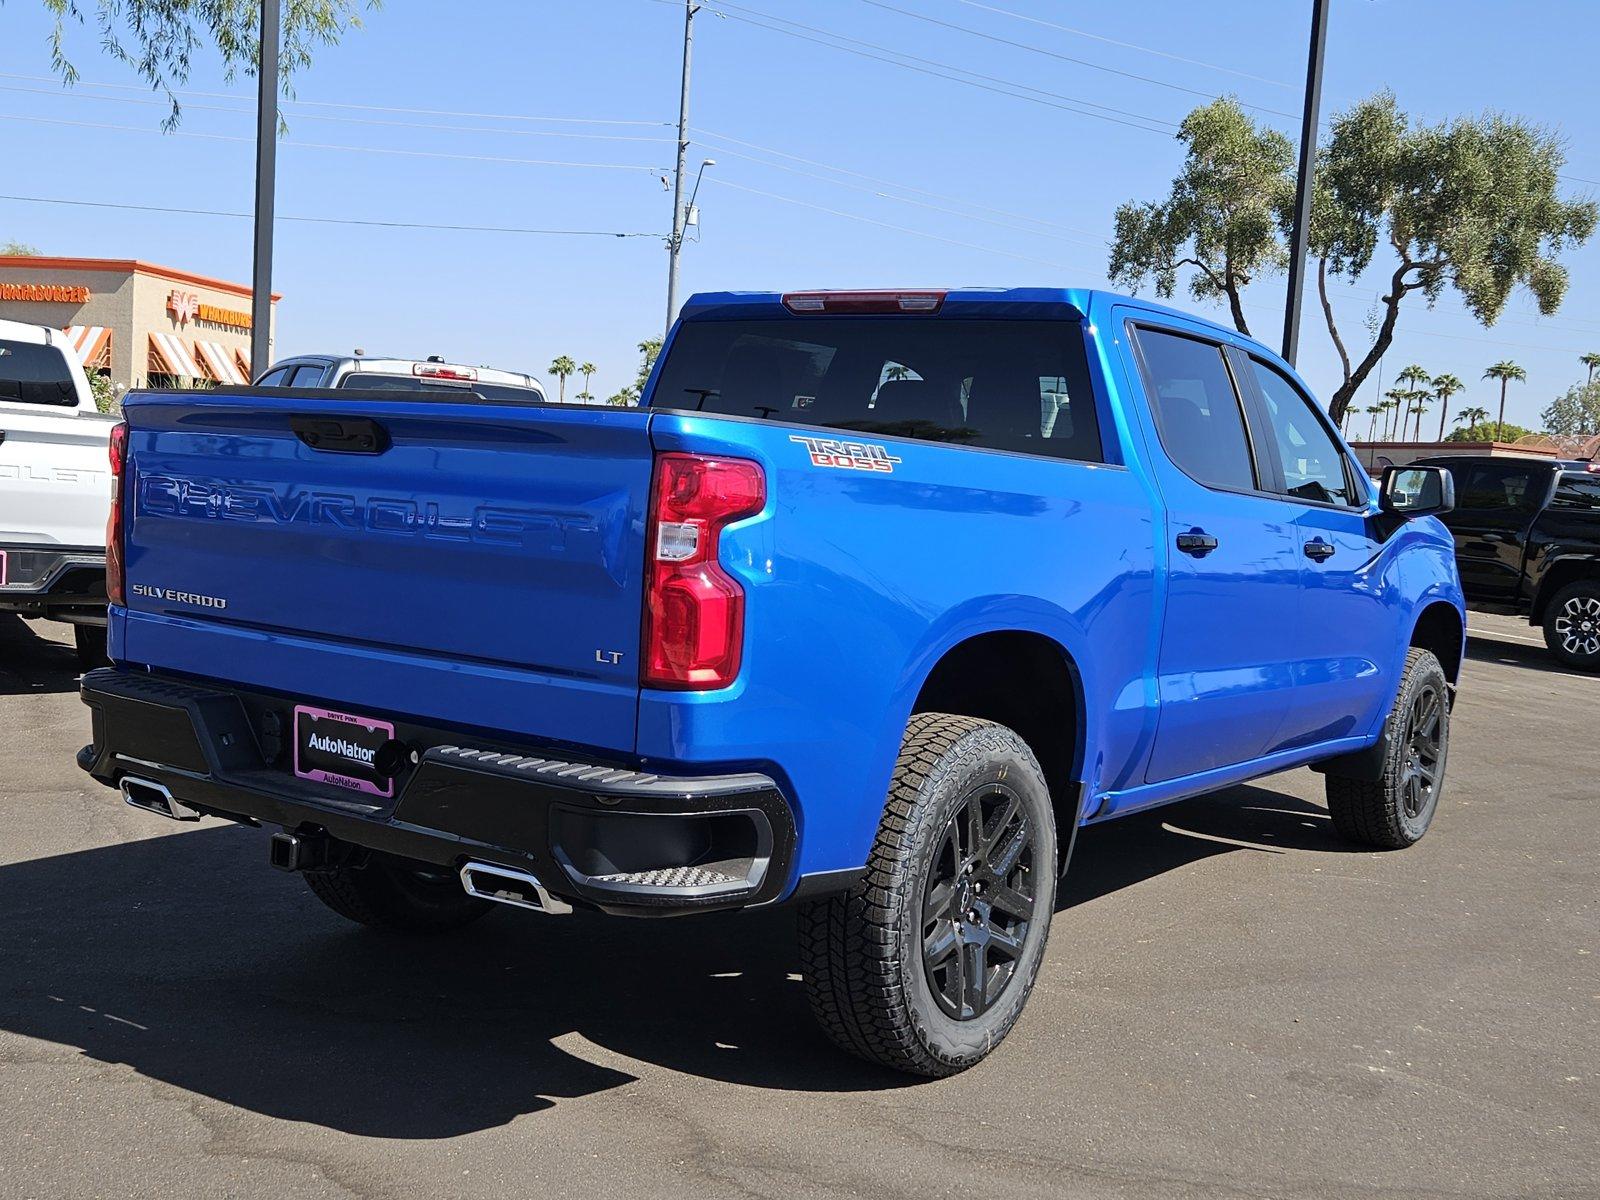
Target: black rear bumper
64	582
607	836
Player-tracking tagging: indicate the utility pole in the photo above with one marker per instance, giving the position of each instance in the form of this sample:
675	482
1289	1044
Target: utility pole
266	190
1302	187
679	216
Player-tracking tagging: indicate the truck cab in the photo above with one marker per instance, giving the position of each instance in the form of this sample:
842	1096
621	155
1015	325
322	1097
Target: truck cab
401	375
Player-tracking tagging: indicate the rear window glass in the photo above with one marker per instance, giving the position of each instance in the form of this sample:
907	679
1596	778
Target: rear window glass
31	374
1492	486
1003	385
371	382
1577	491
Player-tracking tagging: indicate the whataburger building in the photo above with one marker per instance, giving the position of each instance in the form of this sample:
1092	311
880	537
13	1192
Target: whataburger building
139	324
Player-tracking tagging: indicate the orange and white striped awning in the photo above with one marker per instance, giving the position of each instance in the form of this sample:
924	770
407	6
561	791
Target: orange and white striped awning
219	363
170	355
91	343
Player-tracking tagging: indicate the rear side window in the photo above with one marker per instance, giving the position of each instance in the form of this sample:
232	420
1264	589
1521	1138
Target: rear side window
1494	487
1577	491
277	377
1197	409
1313	466
307	375
1003	385
32	374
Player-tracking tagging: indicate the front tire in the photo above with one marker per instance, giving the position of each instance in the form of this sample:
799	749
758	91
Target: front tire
1572	625
397	894
925	965
1395	810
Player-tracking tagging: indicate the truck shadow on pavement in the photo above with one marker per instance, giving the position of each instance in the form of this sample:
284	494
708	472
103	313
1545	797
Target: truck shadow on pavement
184	957
31	664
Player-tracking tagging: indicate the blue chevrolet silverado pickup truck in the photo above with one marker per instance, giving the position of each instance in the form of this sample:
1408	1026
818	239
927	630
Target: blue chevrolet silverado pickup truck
876	601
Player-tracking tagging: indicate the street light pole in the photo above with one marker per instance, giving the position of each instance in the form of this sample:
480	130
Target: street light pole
266	189
675	242
1302	188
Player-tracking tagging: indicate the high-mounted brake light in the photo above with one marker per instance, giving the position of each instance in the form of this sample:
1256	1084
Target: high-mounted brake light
864	302
433	371
694	610
115	590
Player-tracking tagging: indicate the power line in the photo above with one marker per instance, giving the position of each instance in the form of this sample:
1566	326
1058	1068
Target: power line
210	212
297	102
940	70
904	187
245	112
228	137
1082	62
850	216
1084	33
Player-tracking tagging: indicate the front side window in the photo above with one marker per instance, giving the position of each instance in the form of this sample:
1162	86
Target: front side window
1005	385
34	374
1313	465
1491	487
1197	409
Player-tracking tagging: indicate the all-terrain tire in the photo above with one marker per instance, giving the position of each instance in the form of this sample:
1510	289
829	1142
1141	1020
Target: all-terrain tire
1395	810
397	894
1572	625
865	953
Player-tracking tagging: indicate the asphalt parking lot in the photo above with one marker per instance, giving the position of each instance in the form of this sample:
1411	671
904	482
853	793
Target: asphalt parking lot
1235	1004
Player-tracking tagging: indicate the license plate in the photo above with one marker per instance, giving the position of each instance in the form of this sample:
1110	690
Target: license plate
341	749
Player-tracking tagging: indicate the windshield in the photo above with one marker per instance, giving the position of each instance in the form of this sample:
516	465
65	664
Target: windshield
369	381
1006	385
33	374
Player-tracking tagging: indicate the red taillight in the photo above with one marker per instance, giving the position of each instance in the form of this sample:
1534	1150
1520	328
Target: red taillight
114	566
864	302
430	371
694	611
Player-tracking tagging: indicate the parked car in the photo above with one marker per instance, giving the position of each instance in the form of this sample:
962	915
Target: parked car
878	600
55	481
1527	534
402	375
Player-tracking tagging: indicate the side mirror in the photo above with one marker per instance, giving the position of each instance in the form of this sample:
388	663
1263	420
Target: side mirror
1417	491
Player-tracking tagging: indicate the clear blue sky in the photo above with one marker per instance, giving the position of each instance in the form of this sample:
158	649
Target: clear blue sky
952	184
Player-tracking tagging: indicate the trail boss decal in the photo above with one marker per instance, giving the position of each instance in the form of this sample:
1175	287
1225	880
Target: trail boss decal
847	456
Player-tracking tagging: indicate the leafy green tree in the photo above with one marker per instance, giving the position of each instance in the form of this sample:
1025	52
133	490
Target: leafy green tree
105	396
1445	386
1590	360
161	38
18	249
561	368
1574	413
1223	216
1510	433
1469	204
1505	371
626	397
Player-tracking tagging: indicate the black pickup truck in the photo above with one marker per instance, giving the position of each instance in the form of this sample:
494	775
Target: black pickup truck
1527	536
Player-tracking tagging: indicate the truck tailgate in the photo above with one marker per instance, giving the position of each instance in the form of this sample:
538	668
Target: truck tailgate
475	563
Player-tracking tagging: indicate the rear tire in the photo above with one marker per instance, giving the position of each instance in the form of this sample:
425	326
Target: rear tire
90	642
397	894
1572	625
925	965
1395	810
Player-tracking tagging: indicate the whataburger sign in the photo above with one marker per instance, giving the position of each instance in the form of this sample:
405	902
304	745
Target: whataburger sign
185	307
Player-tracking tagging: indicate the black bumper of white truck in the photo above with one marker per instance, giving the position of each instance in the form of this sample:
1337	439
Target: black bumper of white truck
64	582
606	836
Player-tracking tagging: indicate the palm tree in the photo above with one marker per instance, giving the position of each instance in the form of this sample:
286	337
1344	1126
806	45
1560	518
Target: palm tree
1412	378
587	369
1445	386
1373	411
1505	371
1419	406
561	368
1395	401
1591	361
1472	416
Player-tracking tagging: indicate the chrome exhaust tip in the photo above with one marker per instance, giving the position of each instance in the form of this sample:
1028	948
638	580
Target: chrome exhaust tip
507	885
157	798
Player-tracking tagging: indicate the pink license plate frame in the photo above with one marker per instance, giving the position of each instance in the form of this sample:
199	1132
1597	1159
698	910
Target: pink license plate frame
354	783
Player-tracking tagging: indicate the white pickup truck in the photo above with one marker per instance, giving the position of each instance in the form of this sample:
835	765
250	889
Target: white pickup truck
55	486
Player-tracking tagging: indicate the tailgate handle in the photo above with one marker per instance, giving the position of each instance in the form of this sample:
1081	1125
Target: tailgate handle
341	435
